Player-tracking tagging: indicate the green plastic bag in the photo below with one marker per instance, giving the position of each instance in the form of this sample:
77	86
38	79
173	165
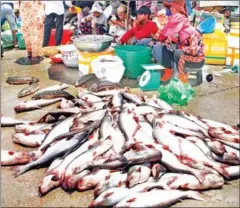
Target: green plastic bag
176	92
7	39
20	39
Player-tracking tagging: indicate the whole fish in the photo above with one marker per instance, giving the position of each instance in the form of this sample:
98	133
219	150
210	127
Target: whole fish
111	197
128	125
171	162
87	96
158	198
30	140
60	128
82	161
14	158
28	90
189	182
34	105
186	151
183	123
33	128
202	145
51	94
8	121
56	149
138	174
54	177
144	110
105	93
158	170
21	80
93	179
115	180
61	86
66	104
224	134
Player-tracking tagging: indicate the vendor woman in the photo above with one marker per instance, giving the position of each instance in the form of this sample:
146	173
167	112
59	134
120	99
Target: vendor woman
179	43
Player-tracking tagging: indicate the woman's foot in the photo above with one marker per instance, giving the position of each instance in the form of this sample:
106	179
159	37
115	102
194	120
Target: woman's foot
38	58
29	55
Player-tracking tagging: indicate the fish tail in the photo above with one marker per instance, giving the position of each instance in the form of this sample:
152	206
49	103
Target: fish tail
195	195
222	170
20	170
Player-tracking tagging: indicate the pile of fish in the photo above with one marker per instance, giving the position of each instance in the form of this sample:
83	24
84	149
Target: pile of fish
134	151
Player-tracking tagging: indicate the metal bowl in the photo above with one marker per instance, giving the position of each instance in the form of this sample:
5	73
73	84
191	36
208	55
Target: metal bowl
92	43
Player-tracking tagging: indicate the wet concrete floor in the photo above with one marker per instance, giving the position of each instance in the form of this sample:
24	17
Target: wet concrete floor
217	103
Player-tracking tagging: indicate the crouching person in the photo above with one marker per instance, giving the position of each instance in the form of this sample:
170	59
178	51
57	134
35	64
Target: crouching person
142	30
95	23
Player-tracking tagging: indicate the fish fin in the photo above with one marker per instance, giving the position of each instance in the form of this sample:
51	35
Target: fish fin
20	170
195	195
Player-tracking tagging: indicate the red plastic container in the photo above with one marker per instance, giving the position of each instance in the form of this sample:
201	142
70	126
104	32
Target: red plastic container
66	38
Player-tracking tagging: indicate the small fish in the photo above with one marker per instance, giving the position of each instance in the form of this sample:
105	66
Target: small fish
133	98
28	90
8	121
14	158
158	198
34	105
61	86
51	94
30	140
15	80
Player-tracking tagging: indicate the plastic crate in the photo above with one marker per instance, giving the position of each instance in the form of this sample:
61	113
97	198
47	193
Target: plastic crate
66	37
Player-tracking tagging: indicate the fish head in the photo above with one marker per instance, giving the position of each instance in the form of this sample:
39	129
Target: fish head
20	107
49	182
214	180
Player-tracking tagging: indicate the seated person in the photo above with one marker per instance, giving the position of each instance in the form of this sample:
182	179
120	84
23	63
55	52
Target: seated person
118	24
180	43
142	29
95	23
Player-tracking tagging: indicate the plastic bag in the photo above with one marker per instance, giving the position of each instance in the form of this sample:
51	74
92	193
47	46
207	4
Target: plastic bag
176	92
7	39
20	39
5	26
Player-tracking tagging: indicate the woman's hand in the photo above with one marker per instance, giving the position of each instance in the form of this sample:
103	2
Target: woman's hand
88	19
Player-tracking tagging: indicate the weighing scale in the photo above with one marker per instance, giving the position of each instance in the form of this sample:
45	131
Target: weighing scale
151	78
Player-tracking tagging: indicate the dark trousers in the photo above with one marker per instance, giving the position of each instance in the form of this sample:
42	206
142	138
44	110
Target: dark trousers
50	21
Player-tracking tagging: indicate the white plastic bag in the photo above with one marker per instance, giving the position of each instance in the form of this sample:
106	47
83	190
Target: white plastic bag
108	68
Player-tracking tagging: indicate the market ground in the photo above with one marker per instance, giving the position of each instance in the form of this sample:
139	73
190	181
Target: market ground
217	103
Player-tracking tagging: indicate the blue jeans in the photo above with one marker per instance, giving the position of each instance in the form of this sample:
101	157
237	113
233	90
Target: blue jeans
7	13
51	20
